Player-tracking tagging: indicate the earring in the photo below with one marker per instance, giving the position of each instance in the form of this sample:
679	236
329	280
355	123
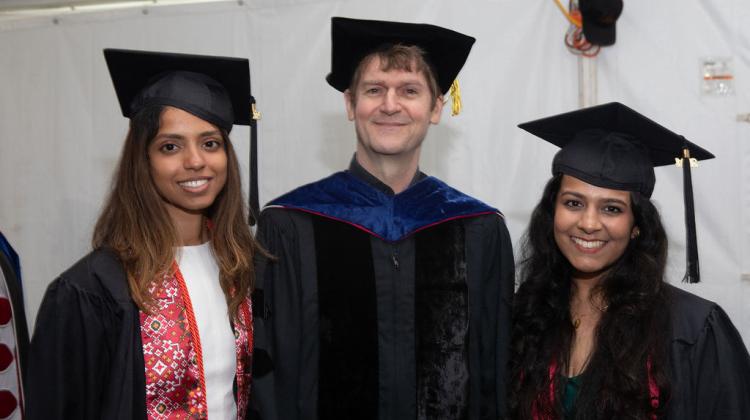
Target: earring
636	232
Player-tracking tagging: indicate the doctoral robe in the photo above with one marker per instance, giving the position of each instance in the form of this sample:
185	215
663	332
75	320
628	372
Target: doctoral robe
382	306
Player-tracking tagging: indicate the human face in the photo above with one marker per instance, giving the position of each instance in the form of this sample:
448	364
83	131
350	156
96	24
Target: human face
593	226
188	162
392	111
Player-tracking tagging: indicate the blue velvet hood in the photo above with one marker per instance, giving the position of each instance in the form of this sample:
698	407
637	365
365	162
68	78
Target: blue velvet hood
346	198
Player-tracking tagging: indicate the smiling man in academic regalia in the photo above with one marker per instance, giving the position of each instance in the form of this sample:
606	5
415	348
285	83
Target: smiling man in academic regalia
390	293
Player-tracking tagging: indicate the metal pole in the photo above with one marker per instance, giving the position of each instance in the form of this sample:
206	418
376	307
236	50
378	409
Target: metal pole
587	85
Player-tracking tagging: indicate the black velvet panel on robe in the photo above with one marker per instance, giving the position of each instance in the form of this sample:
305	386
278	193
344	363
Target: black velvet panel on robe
348	381
437	373
442	323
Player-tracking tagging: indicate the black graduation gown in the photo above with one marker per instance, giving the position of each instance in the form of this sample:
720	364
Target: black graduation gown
351	326
86	358
710	366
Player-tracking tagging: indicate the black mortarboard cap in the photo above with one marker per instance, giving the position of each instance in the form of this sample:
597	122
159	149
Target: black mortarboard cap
213	88
354	39
599	20
613	146
216	89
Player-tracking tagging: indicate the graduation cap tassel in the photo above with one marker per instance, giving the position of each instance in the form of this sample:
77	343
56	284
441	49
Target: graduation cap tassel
692	275
455	92
254	207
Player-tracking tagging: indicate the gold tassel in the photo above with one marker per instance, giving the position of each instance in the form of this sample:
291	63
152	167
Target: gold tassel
455	92
254	111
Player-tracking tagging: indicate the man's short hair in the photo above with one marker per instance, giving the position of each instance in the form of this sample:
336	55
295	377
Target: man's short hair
398	57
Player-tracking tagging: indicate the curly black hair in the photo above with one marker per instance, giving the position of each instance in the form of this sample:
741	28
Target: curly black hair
631	337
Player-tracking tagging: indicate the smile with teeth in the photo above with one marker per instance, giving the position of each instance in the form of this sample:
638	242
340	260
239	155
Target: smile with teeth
193	183
587	244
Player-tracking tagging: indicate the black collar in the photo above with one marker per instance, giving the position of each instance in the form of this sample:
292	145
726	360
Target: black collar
358	171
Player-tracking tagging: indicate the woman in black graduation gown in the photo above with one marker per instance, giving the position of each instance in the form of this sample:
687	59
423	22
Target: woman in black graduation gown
156	321
598	332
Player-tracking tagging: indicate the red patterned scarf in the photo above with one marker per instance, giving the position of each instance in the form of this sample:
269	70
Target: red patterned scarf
175	385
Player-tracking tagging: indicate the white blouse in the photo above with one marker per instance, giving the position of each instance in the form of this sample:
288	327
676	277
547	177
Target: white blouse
201	274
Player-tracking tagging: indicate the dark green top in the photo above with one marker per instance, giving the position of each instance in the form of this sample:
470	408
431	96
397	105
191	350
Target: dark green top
572	387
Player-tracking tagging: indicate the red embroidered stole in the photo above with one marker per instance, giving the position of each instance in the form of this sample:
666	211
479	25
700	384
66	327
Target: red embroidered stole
172	352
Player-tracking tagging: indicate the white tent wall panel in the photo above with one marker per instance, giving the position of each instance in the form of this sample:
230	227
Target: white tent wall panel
62	129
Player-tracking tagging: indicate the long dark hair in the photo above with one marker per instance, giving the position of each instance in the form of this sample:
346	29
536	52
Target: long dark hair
135	224
631	337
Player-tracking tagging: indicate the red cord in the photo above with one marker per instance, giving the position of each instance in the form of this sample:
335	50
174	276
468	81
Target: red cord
193	329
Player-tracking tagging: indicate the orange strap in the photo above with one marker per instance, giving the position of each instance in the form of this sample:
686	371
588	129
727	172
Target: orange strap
192	327
573	17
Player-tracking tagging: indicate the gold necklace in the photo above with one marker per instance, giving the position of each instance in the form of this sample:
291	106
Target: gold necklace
577	319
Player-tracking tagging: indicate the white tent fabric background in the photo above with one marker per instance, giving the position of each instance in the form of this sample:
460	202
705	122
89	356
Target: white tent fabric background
61	129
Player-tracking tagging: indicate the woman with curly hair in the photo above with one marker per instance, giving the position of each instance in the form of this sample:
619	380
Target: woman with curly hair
598	332
156	321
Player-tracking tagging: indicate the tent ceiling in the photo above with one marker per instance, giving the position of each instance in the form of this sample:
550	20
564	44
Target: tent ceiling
23	6
15	5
